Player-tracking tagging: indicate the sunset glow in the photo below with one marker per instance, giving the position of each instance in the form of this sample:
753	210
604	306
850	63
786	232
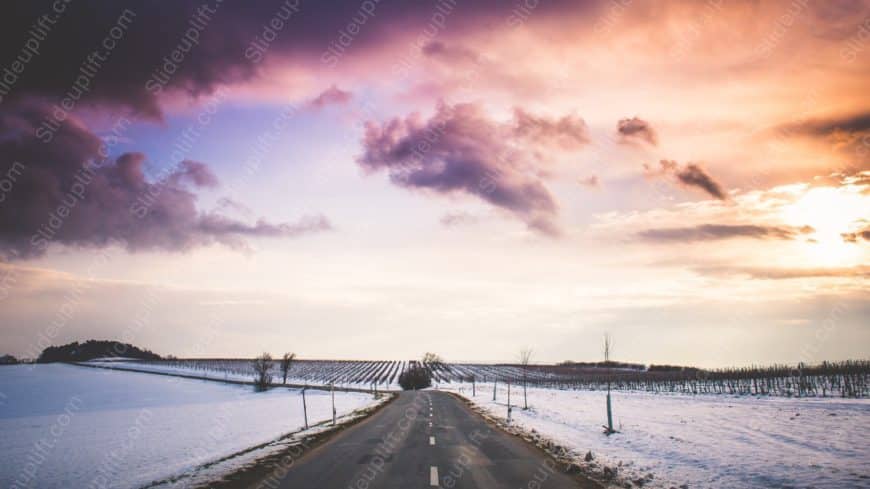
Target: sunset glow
345	177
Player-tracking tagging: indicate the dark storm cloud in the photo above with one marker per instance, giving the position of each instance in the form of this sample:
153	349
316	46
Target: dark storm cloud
461	150
188	45
197	45
713	232
636	129
69	192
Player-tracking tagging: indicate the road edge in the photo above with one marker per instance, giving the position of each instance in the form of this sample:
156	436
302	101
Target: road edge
267	471
566	464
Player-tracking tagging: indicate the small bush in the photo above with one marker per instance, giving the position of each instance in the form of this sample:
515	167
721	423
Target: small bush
415	378
262	366
8	360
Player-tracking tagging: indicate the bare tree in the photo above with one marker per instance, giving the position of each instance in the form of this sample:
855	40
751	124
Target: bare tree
262	366
525	357
286	361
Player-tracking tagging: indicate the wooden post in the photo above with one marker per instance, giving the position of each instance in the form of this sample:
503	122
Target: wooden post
473	391
509	401
525	396
494	387
304	408
332	389
800	379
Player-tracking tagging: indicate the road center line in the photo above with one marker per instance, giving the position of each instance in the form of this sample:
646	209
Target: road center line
433	476
431	440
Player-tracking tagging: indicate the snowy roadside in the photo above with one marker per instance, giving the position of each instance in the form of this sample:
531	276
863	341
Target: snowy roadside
261	461
70	426
693	441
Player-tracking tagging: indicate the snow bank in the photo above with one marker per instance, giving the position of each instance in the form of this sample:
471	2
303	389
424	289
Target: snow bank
68	426
702	441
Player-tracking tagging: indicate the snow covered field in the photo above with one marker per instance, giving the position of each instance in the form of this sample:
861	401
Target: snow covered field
703	441
343	374
65	426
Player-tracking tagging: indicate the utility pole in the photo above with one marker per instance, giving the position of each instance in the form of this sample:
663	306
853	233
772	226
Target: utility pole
608	346
525	358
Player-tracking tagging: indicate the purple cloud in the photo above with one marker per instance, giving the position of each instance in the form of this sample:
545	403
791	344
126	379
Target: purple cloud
448	53
636	129
568	132
591	182
713	232
458	218
695	176
330	96
459	150
691	175
68	192
193	47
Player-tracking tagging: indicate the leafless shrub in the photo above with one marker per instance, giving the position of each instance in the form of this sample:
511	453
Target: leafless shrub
525	358
262	366
286	361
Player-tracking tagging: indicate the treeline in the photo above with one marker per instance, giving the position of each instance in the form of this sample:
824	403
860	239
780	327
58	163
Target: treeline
603	364
8	360
91	349
828	379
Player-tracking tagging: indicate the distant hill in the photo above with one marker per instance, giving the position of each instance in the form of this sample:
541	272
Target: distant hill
80	352
8	360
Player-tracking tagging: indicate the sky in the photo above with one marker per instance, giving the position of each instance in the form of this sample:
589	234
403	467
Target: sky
378	179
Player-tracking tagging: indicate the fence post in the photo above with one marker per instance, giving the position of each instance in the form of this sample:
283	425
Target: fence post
509	401
332	390
304	408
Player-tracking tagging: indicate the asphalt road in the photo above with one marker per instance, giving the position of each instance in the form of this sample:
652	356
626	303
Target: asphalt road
425	439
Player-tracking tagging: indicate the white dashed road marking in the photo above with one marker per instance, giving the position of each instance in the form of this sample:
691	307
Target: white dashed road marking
431	440
433	476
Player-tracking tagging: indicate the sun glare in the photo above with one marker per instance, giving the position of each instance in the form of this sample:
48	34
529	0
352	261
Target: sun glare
831	212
